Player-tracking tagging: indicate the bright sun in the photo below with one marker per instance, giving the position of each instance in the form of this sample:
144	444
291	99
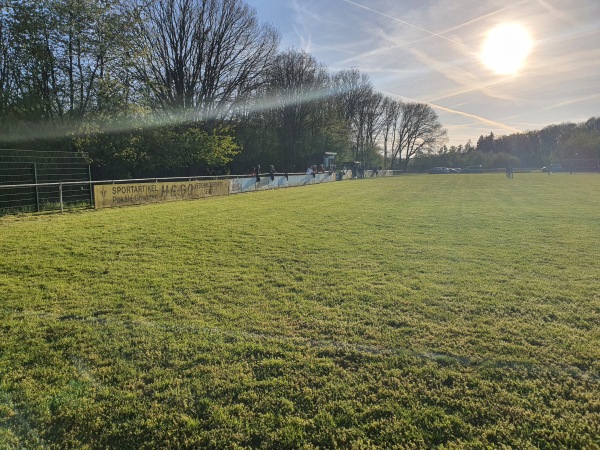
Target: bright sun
506	48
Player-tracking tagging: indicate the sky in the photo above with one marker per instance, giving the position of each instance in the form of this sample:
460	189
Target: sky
430	51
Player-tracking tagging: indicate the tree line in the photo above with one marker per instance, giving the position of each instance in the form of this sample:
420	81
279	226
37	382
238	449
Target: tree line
188	87
575	146
193	87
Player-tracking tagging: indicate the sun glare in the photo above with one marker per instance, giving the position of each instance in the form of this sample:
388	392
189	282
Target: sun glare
506	48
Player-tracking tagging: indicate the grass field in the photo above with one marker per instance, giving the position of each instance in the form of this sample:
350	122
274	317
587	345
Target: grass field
440	311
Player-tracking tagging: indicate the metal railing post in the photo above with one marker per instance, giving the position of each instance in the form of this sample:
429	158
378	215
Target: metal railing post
37	190
91	186
60	197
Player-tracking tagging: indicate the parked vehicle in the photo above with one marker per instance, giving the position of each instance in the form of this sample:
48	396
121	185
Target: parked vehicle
474	169
439	170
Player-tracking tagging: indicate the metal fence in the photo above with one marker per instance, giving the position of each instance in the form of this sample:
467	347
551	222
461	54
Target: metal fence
37	180
58	196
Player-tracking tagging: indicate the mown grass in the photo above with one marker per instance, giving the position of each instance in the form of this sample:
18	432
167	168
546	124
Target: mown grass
448	311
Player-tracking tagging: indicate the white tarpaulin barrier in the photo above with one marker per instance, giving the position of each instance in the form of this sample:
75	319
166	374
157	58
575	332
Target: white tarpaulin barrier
250	183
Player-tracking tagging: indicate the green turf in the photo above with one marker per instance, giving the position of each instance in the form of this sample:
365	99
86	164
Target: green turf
447	311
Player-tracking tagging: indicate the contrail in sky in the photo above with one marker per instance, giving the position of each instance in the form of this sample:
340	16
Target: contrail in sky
460	113
478	118
410	25
431	33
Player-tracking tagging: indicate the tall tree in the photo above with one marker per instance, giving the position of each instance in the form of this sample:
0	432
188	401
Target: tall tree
38	85
371	115
584	144
391	115
58	56
6	57
95	39
356	97
200	54
296	87
419	131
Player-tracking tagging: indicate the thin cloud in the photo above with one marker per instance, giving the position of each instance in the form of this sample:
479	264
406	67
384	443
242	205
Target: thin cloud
562	15
464	78
396	46
574	101
483	88
303	19
409	24
430	51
